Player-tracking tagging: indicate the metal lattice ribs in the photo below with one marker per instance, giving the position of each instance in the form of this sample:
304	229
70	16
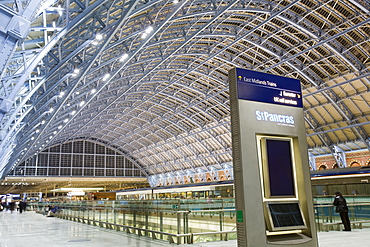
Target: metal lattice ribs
150	77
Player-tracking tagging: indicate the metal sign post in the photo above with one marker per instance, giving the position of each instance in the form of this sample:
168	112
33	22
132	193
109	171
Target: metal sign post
273	188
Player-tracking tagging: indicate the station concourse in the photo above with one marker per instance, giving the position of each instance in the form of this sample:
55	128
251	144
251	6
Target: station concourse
20	229
100	96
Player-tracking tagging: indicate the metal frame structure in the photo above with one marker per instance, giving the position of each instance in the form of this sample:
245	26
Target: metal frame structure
85	158
150	76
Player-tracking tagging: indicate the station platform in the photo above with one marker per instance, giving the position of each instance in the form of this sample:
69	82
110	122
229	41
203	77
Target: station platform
32	229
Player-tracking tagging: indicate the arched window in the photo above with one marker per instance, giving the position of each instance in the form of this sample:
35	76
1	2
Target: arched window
322	167
80	158
355	164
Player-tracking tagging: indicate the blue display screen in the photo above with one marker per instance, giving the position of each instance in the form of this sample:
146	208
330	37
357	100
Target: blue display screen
280	168
267	88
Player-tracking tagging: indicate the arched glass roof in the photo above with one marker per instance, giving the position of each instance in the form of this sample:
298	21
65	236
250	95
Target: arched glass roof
150	77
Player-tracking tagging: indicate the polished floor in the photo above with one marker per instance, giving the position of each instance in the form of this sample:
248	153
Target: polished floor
31	229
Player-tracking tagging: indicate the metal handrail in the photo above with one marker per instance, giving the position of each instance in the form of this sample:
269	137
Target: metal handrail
190	239
114	214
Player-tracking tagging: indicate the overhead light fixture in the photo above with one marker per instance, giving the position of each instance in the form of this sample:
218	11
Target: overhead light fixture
76	189
82	103
59	11
149	29
66	120
93	90
51	109
123	57
106	76
73	113
99	36
75	72
61	94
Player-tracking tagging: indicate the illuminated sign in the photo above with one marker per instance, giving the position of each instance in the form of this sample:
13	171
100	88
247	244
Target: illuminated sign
262	87
76	193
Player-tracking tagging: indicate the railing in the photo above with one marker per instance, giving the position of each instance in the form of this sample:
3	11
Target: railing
188	221
178	221
328	219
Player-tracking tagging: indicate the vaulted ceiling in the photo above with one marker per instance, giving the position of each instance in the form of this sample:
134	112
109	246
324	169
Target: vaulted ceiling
150	78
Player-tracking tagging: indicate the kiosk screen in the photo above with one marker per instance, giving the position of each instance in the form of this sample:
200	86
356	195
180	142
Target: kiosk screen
285	215
280	167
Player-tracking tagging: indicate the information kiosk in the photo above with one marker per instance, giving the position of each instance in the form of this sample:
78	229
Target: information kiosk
272	181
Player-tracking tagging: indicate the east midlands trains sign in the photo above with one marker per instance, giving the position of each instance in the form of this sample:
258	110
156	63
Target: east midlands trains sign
267	88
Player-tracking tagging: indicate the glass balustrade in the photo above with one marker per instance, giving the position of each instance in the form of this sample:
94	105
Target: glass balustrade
200	220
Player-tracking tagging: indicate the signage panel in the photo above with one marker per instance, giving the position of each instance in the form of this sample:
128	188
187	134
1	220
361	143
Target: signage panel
271	171
267	88
239	214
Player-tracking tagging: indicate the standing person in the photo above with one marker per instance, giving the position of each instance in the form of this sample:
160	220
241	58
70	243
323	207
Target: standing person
342	209
25	206
11	206
46	210
22	206
17	205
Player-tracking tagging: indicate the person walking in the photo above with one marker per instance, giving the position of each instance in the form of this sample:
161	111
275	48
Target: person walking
342	209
